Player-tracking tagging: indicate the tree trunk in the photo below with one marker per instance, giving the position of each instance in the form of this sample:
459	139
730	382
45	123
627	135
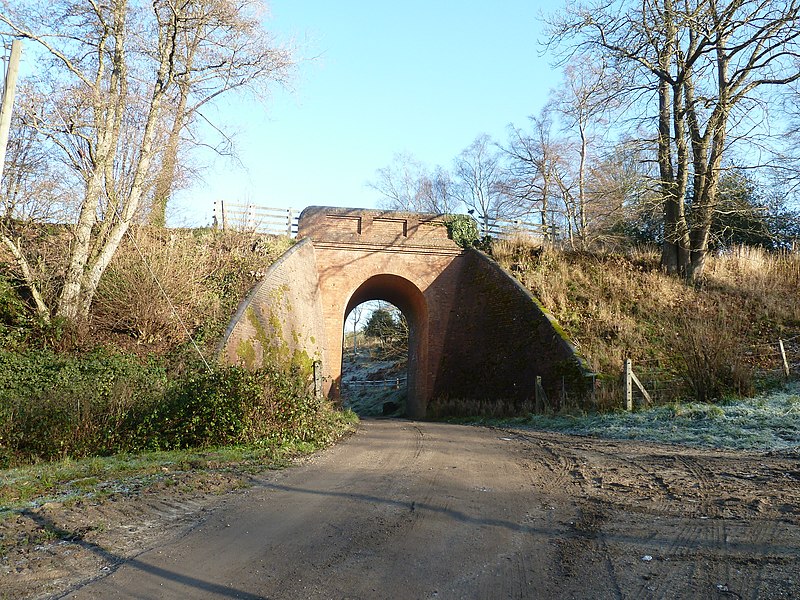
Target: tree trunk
675	250
14	247
109	107
581	189
70	298
670	252
169	164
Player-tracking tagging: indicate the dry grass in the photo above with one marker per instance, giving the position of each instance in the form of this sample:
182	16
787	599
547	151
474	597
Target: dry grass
161	280
620	305
204	273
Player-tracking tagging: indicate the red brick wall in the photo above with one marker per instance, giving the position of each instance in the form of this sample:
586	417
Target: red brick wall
476	333
281	320
498	339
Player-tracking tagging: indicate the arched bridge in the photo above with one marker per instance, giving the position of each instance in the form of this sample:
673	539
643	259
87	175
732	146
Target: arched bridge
475	334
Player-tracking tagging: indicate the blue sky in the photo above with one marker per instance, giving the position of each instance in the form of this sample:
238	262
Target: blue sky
420	77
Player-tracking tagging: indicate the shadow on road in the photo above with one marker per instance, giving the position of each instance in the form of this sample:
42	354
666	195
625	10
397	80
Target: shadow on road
116	561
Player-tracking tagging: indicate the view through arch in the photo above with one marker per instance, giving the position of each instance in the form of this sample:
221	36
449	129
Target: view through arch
375	360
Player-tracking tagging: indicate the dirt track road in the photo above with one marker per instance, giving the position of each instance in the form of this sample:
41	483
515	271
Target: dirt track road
426	510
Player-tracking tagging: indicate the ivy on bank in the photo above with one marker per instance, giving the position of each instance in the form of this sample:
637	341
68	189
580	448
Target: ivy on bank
55	406
463	230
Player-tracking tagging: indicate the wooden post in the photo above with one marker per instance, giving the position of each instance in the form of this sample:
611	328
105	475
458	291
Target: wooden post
628	383
540	398
8	100
317	367
783	356
593	388
250	223
630	380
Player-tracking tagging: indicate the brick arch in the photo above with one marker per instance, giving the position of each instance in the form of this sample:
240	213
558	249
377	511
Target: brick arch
407	297
478	335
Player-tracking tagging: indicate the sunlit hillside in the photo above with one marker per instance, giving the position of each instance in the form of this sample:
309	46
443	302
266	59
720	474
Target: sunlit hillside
720	337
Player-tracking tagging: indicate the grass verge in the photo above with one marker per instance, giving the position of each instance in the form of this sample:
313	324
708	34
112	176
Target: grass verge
69	480
770	422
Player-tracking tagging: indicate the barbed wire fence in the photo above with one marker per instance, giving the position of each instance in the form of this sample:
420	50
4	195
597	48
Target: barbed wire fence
777	360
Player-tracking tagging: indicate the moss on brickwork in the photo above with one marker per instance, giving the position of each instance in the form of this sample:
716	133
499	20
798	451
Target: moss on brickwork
246	353
275	347
303	362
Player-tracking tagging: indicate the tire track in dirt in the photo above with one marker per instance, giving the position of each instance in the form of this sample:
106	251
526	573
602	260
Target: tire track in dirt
568	476
691	519
561	469
422	510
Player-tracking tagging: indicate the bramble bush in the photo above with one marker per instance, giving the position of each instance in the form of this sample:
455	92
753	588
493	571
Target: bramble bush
56	406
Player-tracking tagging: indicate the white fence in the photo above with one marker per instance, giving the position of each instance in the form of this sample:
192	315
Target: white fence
395	383
258	219
504	229
283	221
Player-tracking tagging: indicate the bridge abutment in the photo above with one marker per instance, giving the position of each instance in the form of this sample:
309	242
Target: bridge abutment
477	337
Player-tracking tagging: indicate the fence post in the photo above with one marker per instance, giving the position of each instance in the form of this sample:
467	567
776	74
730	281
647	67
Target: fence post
222	212
317	368
289	222
630	380
540	398
783	356
251	225
593	389
628	383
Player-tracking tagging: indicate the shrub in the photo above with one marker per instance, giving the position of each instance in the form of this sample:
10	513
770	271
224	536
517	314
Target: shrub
712	359
13	314
201	409
55	406
58	405
205	274
463	230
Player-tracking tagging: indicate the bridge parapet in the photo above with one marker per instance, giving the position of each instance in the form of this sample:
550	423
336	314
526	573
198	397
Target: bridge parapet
476	336
364	228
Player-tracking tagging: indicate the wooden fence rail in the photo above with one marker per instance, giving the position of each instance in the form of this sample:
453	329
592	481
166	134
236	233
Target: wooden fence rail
283	221
395	383
504	229
256	219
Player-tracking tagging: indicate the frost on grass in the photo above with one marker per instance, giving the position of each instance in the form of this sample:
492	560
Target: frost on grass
767	422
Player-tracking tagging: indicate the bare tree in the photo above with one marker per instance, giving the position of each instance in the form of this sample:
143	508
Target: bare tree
621	185
532	159
108	73
355	317
704	61
582	104
31	193
481	188
220	47
407	184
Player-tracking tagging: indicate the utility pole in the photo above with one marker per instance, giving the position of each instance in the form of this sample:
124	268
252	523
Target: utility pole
8	100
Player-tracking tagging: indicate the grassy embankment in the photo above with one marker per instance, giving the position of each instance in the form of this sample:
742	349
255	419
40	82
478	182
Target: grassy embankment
129	394
715	342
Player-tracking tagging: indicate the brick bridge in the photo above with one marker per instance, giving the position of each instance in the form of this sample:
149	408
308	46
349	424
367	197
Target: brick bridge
475	334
